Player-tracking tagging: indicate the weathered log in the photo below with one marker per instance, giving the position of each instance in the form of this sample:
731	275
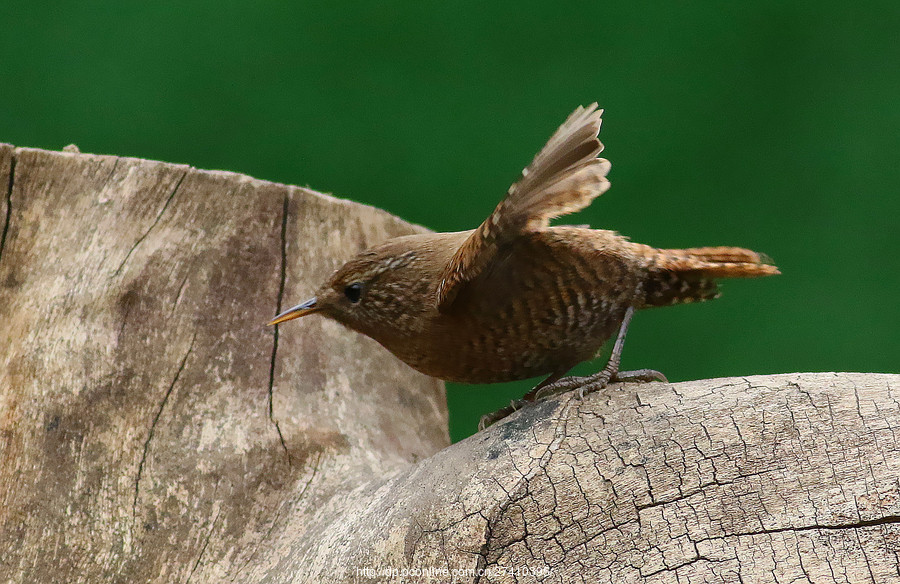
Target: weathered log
152	429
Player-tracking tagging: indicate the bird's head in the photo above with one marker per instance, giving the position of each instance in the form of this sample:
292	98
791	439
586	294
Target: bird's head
375	290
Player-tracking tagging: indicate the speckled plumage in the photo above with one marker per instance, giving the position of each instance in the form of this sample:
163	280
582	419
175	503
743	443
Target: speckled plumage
516	298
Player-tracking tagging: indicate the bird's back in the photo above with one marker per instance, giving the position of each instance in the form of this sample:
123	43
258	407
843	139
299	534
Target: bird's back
549	300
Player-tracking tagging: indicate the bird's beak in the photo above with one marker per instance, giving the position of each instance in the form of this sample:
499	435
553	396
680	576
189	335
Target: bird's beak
307	307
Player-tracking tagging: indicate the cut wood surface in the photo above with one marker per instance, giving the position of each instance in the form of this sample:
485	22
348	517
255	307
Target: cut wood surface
152	429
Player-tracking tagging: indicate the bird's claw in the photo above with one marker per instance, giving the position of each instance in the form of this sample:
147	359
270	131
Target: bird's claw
494	417
639	376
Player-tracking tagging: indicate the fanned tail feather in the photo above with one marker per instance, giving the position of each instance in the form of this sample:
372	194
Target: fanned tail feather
679	276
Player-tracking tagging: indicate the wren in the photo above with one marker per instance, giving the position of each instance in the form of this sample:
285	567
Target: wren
517	298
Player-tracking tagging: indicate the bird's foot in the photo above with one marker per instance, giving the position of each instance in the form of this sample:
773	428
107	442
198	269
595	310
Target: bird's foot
598	381
584	385
492	418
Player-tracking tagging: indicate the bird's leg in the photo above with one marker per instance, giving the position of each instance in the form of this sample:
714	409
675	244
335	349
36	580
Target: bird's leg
553	385
605	376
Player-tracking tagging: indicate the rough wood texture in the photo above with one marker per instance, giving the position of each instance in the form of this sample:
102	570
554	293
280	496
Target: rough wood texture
151	429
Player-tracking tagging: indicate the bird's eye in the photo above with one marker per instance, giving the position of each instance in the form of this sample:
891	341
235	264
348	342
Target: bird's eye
353	292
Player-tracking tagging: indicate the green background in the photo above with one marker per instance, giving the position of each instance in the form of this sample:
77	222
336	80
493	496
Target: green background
771	125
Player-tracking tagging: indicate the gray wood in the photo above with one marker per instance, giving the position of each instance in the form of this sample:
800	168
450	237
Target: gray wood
153	430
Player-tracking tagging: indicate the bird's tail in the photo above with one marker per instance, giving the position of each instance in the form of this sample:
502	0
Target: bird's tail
678	276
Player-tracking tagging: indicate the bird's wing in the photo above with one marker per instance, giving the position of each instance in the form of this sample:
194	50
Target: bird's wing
564	177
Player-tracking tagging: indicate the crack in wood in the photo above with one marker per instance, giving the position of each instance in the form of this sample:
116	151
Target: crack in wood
156	417
180	291
521	491
284	220
886	520
155	222
212	528
9	189
688	562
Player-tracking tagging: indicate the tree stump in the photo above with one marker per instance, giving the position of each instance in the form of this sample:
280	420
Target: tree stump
153	430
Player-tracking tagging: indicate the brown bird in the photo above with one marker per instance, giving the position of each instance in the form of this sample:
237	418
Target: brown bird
516	298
